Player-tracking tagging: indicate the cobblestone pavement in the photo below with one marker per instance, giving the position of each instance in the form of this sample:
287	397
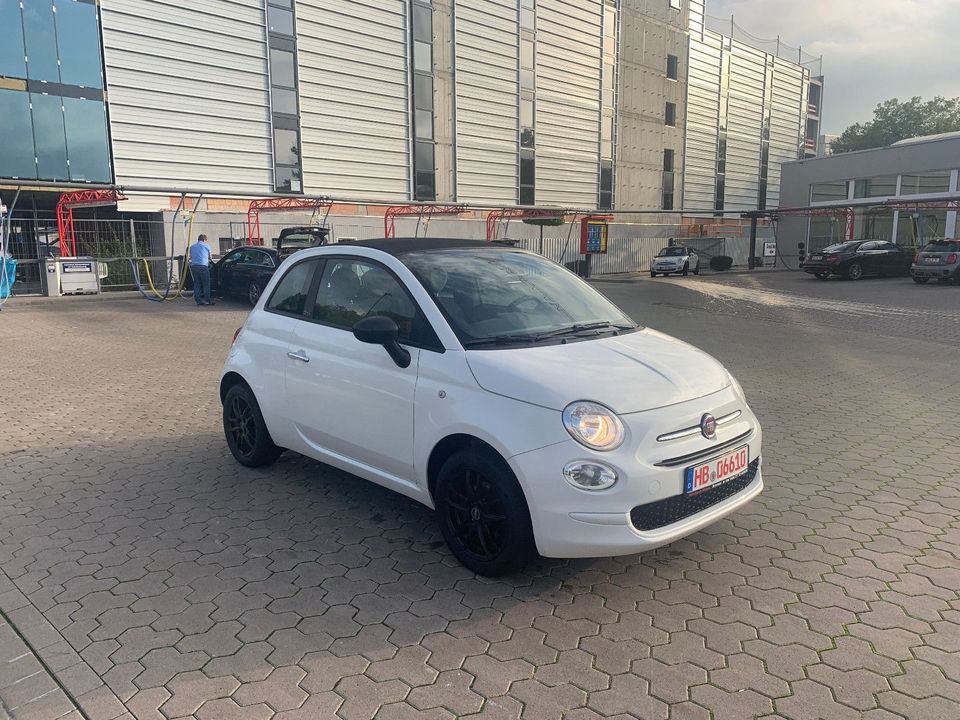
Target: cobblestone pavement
157	579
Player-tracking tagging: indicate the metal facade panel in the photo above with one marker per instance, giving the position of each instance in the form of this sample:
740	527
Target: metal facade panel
354	97
188	98
487	95
703	107
568	102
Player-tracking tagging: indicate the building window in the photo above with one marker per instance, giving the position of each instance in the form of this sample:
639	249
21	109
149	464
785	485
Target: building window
925	183
284	104
424	150
608	103
668	160
528	103
673	67
676	4
668	183
829	191
52	99
885	186
670	115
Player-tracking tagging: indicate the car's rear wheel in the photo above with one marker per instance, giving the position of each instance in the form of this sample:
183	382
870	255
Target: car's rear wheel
253	292
921	280
854	271
483	514
245	430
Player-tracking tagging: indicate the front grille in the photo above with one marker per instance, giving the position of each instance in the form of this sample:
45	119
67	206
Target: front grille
655	515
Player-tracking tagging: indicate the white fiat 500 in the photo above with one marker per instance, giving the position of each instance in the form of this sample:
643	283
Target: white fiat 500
496	387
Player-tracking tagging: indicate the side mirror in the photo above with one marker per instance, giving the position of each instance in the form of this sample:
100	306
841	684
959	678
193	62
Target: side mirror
381	330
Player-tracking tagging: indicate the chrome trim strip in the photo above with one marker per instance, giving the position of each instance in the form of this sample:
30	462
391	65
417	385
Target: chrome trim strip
706	452
695	430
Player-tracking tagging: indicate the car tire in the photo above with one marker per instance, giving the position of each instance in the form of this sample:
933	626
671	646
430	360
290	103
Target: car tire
921	280
854	271
686	269
653	274
483	514
245	430
821	275
253	293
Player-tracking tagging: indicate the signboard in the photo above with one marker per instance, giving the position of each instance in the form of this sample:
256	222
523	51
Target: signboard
769	249
77	267
594	233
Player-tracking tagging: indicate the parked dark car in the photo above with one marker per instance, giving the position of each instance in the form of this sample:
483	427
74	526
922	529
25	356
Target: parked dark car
940	259
858	258
245	271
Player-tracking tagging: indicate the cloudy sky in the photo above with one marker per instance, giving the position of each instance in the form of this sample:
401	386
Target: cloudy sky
872	50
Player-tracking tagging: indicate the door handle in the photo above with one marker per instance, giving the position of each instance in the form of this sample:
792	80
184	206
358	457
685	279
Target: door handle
299	355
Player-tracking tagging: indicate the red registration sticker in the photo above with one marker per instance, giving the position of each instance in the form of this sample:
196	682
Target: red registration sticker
717	471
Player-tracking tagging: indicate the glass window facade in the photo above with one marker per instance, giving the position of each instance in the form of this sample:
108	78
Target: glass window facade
925	183
284	104
424	151
829	191
885	186
53	100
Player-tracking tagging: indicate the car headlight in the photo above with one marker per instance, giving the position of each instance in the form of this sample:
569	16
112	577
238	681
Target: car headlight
593	425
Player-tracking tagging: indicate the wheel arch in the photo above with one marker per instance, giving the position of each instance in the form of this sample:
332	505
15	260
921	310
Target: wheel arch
228	381
451	444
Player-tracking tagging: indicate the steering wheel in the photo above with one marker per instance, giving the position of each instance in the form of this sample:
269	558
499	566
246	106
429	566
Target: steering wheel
526	299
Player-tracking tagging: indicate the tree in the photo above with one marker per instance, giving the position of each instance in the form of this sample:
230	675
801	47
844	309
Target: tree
894	121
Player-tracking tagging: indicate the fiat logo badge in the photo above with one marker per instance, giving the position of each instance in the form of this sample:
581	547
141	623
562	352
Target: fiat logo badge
708	426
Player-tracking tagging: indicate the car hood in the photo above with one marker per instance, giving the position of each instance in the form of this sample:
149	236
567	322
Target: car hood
629	373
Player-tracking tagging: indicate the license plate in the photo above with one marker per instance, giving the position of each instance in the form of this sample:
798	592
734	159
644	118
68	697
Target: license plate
717	471
816	257
932	260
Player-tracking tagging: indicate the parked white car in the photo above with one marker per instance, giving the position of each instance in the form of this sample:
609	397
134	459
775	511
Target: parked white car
675	259
497	387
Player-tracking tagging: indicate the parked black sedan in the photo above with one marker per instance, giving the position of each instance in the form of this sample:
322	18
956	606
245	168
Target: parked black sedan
245	271
859	258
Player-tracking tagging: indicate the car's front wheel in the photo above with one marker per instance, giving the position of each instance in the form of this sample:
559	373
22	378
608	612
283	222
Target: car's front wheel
483	514
652	274
854	271
245	430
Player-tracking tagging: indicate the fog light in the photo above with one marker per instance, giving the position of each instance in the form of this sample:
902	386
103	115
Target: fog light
589	475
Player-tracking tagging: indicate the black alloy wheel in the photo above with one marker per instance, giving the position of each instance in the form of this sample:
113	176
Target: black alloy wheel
652	274
253	293
245	430
854	271
483	514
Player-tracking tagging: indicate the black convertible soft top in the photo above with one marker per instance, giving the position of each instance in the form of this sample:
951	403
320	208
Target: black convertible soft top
399	246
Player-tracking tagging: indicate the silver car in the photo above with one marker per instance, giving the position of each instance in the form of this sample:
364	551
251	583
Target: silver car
675	259
939	259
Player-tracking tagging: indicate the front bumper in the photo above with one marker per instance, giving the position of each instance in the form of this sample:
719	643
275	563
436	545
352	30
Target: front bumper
667	269
646	508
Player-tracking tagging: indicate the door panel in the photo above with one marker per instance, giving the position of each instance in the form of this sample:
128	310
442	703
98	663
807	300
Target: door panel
350	400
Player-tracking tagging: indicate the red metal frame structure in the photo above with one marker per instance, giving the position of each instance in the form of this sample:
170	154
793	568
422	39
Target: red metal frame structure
80	199
276	205
428	211
496	217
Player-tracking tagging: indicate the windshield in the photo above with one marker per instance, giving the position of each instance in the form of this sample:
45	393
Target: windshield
841	247
498	296
673	252
943	247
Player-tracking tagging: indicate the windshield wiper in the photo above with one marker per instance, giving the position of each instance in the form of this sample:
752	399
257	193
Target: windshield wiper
585	327
503	340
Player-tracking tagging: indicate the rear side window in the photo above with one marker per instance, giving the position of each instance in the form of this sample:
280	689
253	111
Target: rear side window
290	295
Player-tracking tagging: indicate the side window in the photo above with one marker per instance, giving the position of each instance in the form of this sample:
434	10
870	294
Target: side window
351	290
235	257
290	295
890	246
867	246
257	257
